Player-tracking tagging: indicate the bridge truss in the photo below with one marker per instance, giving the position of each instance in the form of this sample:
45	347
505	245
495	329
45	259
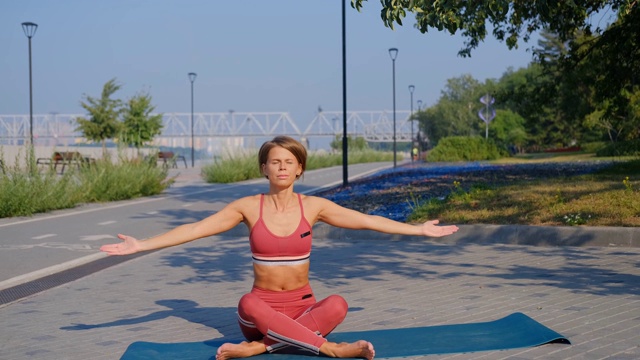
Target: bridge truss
374	126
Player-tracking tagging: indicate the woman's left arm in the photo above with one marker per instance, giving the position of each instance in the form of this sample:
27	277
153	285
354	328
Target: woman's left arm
338	216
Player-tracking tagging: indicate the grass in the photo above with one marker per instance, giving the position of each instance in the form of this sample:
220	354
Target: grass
548	157
244	166
608	198
24	192
125	179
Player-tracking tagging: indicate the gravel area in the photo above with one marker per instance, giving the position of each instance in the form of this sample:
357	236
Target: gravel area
391	193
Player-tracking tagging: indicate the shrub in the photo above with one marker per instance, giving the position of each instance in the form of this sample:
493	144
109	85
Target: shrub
232	169
244	166
126	179
593	147
463	148
24	194
621	148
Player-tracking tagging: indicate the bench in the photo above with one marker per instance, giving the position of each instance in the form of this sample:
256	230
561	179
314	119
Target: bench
65	158
169	158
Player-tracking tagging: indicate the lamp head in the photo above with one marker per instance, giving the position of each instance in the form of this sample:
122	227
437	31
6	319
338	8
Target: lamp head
393	52
411	88
29	28
192	76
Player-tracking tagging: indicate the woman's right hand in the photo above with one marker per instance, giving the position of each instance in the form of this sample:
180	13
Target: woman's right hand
129	245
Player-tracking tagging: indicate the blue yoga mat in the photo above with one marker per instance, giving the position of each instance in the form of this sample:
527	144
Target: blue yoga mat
511	332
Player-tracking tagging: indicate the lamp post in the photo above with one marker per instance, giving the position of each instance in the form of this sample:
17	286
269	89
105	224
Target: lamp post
393	52
345	138
411	89
192	78
418	133
29	29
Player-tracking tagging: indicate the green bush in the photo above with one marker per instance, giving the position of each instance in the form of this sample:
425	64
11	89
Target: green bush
244	166
464	148
232	168
105	180
24	192
621	148
593	147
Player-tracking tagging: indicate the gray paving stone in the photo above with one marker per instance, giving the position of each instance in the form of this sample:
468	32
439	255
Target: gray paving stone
590	294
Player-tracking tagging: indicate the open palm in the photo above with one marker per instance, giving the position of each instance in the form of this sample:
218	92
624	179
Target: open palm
129	245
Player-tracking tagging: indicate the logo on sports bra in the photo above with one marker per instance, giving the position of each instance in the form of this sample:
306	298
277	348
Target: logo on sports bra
305	234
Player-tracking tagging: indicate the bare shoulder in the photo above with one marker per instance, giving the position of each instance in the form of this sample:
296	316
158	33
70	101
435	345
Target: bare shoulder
315	201
317	205
325	210
245	203
245	209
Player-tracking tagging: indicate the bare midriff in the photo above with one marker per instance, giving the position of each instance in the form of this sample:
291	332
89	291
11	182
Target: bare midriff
281	277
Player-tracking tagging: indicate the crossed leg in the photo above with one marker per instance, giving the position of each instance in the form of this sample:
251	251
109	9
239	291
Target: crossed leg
270	330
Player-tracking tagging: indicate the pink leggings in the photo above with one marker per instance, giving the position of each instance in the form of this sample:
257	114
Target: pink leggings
289	318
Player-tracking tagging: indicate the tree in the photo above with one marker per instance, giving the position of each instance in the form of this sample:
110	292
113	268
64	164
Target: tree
507	130
103	112
511	20
456	112
544	99
611	64
591	66
139	125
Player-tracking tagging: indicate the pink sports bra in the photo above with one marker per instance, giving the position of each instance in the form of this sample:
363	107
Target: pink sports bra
270	249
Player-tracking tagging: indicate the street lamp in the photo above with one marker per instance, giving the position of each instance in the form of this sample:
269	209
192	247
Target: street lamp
418	133
345	142
192	78
411	88
393	52
29	29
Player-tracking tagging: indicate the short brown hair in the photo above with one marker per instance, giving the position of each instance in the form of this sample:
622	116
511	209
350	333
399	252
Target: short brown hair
285	142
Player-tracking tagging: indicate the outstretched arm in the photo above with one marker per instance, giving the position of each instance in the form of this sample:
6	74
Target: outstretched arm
336	215
219	222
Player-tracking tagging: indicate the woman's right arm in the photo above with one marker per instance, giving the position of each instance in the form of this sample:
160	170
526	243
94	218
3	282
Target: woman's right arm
230	216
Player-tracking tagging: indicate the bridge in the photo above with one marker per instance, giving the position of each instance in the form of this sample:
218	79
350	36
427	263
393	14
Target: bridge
226	128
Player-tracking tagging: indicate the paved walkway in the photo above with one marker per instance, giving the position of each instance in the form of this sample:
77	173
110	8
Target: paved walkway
591	294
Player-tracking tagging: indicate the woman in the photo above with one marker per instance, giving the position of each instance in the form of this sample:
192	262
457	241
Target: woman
281	313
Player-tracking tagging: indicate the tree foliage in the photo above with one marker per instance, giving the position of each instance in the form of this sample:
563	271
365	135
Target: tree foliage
508	130
510	20
588	79
132	122
456	112
140	126
104	111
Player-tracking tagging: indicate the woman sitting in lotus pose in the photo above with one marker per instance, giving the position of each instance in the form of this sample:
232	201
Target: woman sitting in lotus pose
281	312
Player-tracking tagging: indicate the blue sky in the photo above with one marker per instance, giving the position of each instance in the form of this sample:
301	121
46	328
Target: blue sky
250	55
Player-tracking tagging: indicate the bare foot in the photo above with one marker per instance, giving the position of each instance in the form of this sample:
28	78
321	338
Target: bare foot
242	350
358	349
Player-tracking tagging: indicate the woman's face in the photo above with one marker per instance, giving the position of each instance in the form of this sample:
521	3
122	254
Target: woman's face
281	165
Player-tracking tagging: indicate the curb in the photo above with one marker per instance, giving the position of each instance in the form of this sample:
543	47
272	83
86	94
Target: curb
35	275
552	236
